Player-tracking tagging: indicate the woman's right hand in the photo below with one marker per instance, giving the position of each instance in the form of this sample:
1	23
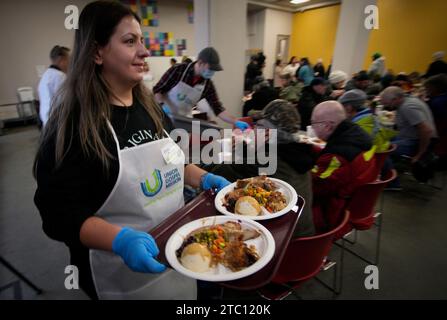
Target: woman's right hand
138	250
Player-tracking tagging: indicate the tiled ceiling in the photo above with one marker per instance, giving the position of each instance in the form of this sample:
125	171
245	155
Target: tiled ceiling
256	5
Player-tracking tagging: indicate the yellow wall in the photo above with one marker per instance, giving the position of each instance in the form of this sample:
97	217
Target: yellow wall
313	34
409	32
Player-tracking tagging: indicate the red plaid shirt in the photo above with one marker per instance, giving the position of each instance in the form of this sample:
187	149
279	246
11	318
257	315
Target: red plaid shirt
171	77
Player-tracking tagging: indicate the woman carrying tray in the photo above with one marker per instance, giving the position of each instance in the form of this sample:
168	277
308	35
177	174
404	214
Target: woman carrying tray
106	169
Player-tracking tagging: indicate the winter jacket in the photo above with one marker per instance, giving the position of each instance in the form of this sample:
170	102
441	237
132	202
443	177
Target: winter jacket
377	67
305	74
381	135
346	163
292	93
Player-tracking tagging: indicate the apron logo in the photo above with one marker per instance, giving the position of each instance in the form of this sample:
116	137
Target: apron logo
172	177
181	97
147	189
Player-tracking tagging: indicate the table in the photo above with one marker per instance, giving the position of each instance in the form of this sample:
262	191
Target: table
203	206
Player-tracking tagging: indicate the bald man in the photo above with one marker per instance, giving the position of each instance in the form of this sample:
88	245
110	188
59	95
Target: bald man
417	133
345	163
414	121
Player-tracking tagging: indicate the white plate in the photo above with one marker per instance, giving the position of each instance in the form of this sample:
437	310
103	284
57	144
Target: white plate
265	247
305	139
286	189
317	142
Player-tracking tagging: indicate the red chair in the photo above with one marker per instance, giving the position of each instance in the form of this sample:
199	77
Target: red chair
382	156
363	215
303	260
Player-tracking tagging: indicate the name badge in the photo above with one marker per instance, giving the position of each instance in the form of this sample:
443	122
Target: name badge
172	153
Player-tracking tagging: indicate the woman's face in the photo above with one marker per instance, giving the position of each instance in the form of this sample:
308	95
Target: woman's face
122	59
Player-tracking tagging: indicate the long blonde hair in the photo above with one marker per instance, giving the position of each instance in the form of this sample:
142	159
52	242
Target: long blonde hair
82	105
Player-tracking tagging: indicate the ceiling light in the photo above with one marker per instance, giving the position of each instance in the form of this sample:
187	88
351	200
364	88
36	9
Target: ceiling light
298	1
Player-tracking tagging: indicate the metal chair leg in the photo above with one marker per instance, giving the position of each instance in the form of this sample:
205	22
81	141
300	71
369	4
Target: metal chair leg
16	288
19	275
339	286
379	235
376	256
346	237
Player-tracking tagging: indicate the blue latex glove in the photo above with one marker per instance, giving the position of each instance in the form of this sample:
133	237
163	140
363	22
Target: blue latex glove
241	125
138	250
166	109
210	180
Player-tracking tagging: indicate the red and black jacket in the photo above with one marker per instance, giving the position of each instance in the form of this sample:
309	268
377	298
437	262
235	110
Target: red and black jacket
344	164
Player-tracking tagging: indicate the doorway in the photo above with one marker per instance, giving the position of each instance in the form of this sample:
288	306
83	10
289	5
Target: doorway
282	48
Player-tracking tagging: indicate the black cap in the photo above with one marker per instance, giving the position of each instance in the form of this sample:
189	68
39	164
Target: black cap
209	55
362	76
317	81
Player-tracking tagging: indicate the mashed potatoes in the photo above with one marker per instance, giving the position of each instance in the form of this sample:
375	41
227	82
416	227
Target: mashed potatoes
247	206
196	257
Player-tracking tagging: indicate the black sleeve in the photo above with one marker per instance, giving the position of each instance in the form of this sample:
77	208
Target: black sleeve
66	196
305	108
167	123
298	155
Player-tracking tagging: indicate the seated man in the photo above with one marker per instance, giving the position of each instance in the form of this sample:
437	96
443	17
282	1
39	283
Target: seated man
51	80
263	94
414	121
361	81
354	103
337	79
345	163
312	95
291	90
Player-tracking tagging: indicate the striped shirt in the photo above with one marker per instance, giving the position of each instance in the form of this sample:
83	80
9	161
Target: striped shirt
173	76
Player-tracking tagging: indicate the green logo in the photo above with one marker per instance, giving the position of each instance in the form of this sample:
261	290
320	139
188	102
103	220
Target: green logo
148	189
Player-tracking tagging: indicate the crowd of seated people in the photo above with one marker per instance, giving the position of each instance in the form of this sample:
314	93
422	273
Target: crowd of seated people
342	112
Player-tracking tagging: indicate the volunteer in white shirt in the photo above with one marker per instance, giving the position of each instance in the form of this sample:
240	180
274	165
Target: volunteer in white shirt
52	79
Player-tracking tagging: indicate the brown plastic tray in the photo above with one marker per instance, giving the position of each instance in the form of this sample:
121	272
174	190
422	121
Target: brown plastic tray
203	206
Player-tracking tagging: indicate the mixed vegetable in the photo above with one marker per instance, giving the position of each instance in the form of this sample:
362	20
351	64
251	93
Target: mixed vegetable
213	238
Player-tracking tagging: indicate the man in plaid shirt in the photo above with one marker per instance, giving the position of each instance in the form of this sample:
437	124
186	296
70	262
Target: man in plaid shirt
183	85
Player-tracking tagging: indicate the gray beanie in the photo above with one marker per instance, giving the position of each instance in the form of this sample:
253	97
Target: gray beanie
355	98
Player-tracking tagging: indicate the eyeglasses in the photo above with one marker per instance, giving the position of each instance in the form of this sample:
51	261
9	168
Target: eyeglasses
320	122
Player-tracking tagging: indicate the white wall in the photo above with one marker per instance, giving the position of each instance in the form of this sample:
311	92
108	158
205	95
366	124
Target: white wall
276	23
255	30
226	22
228	36
29	29
352	37
202	22
159	65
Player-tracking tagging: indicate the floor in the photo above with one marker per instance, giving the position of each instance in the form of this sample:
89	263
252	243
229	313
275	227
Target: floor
412	263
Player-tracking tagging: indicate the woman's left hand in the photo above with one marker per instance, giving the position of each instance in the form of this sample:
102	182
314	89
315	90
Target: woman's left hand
210	180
